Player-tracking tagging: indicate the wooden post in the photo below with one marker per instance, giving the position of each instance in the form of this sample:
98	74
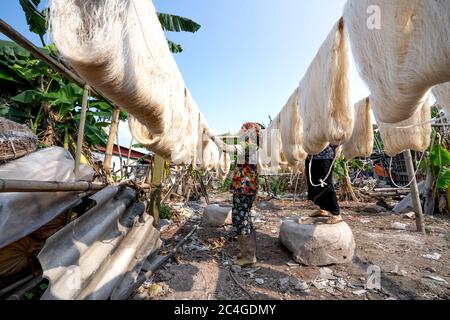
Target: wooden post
428	192
129	151
81	129
111	139
415	196
155	197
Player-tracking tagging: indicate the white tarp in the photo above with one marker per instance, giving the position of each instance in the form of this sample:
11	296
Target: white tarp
24	212
101	253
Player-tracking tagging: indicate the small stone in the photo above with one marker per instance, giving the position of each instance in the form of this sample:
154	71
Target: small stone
434	256
302	286
341	274
292	264
215	215
373	209
326	273
359	292
236	268
164	224
341	283
147	283
430	269
226	263
399	226
283	281
252	270
410	215
259	281
436	278
320	284
362	279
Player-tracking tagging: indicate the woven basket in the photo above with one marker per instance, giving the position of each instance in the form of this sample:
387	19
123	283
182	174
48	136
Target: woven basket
16	140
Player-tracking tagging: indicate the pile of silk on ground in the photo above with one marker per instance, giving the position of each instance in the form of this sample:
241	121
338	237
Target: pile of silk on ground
325	107
402	49
361	141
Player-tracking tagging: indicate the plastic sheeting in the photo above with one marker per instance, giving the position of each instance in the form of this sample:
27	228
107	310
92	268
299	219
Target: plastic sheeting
24	212
100	254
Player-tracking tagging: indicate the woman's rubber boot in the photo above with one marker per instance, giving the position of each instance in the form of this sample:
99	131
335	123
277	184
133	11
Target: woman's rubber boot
247	246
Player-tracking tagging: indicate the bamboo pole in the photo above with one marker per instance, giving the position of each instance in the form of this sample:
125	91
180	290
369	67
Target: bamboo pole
129	151
120	153
15	36
80	136
111	139
9	185
414	191
155	197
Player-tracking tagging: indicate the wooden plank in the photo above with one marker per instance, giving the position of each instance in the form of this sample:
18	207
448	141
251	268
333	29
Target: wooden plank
155	197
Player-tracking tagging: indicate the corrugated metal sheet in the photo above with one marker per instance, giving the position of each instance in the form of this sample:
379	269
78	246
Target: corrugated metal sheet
100	254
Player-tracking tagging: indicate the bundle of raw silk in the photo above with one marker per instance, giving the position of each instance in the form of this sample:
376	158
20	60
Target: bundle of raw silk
361	141
402	49
325	107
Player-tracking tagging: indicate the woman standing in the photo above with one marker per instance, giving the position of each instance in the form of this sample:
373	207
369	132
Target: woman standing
244	188
322	193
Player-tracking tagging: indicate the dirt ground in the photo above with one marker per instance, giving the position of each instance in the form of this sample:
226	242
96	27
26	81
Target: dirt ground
203	267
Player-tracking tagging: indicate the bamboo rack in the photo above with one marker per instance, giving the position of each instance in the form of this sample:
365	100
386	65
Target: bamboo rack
7	185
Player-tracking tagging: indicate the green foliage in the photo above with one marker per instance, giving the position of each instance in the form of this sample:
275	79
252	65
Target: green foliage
165	212
36	19
225	186
174	47
277	184
175	23
37	96
439	159
170	22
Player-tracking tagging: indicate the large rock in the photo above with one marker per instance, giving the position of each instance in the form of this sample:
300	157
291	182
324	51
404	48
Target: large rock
215	215
314	243
406	205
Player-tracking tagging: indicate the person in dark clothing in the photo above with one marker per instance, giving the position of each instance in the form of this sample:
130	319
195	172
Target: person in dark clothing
322	192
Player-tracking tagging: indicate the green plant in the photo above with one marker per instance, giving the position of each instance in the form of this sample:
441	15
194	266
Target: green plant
439	159
225	186
165	212
48	103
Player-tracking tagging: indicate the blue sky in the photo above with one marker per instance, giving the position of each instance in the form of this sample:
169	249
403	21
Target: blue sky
247	58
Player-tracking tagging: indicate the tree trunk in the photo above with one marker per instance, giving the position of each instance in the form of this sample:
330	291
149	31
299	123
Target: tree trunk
110	143
415	195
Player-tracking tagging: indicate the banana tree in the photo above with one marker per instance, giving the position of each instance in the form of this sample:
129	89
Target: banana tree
33	94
